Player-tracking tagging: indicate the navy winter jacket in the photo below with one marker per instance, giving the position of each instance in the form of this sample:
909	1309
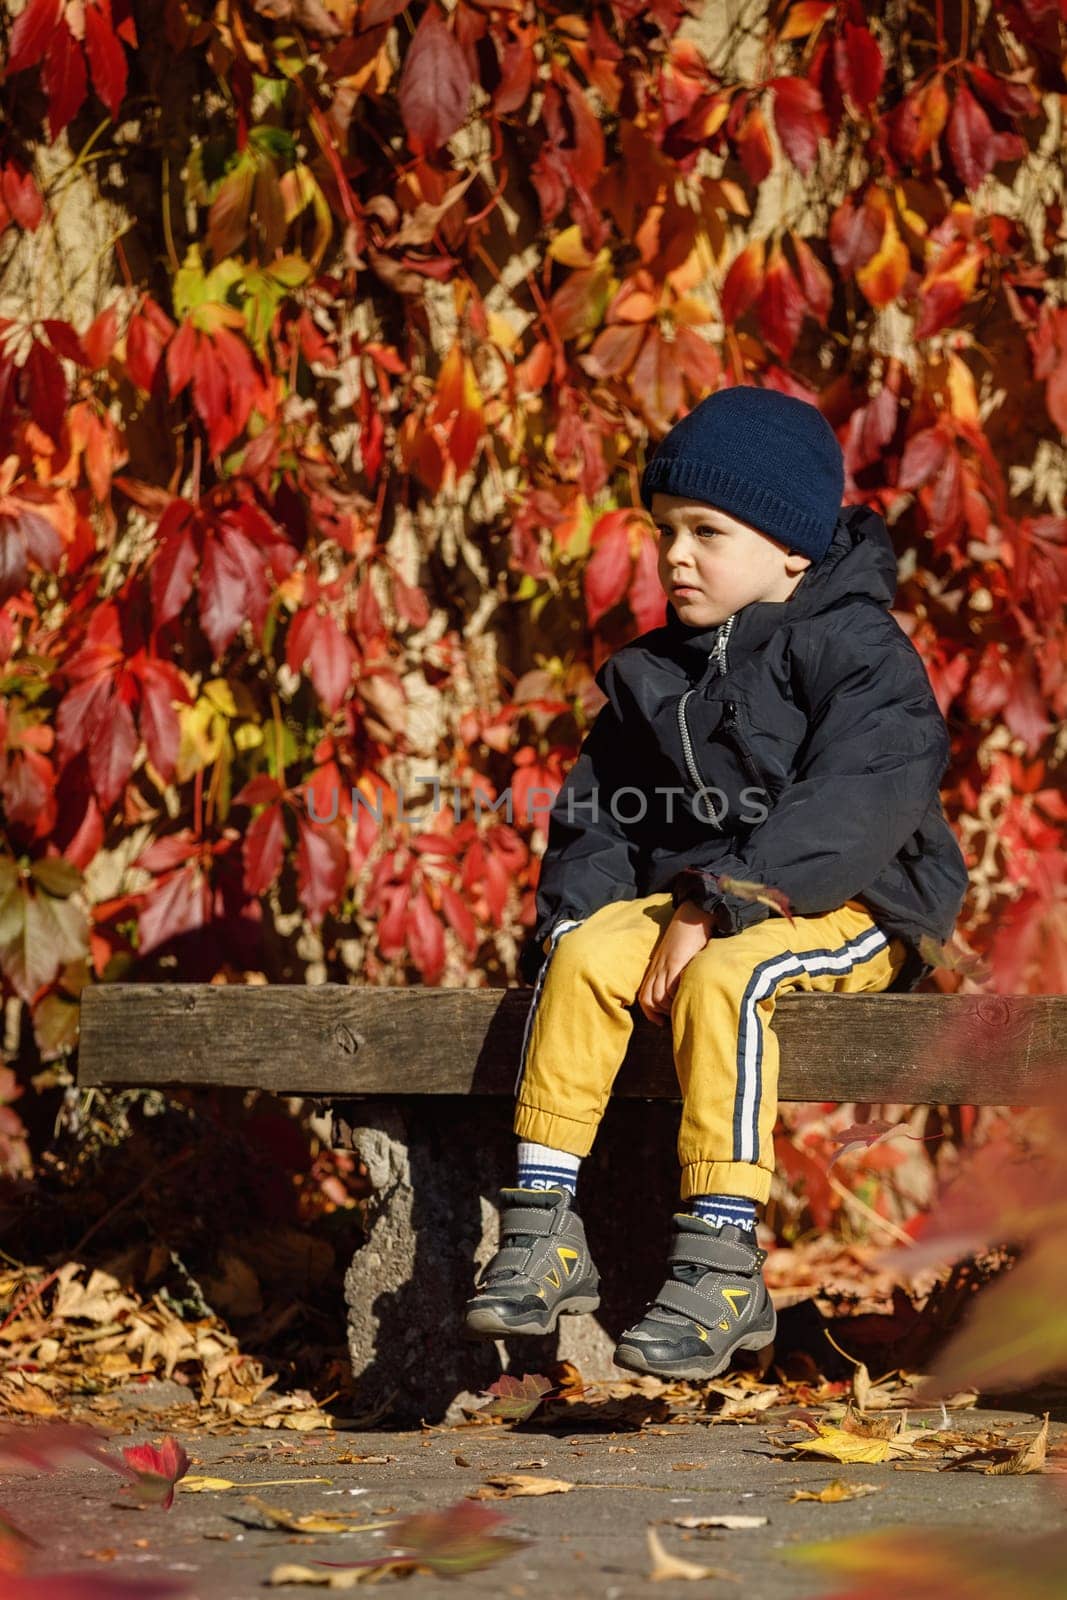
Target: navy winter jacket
804	749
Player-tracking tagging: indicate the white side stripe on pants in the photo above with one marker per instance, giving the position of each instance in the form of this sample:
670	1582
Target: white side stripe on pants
750	1037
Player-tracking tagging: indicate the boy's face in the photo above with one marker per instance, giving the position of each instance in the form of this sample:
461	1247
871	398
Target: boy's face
724	563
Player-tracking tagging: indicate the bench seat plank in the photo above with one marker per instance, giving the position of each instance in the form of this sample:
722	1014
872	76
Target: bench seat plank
342	1040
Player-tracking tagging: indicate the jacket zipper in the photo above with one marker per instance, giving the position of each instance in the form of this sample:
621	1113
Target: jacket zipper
718	655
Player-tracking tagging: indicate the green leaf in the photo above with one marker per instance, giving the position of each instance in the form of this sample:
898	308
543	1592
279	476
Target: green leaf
278	143
56	875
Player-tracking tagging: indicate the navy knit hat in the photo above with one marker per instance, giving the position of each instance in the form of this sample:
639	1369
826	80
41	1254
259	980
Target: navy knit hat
770	459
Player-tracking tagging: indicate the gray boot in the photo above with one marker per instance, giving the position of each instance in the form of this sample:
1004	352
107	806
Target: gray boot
542	1269
714	1303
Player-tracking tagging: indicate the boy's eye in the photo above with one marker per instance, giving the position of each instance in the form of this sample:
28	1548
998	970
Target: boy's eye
705	527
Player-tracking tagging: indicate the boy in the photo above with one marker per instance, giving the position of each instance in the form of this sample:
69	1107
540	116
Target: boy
780	729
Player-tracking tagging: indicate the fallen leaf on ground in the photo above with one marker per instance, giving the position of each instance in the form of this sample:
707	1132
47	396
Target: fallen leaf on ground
515	1399
1031	1458
666	1567
727	1521
509	1485
363	1461
835	1491
445	1543
307	1522
193	1483
156	1471
688	1466
841	1445
287	1574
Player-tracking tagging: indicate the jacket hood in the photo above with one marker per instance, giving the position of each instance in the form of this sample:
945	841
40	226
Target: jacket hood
859	563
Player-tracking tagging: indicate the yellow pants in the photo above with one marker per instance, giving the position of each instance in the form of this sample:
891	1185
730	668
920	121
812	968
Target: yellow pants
725	1049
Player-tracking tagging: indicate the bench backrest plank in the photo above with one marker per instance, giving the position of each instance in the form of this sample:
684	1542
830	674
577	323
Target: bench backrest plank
339	1040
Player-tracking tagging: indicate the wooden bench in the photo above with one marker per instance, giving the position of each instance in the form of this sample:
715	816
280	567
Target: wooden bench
420	1081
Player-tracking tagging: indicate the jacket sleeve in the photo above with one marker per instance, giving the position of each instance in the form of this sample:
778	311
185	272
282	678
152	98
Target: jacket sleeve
589	859
873	758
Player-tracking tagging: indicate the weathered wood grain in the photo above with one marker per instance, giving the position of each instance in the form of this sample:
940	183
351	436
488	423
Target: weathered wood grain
336	1040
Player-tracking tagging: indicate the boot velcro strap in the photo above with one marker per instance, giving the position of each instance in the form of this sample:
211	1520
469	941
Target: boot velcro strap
724	1254
511	1259
688	1302
528	1219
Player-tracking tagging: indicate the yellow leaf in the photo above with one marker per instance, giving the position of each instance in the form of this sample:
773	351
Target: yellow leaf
194	1483
510	1485
962	397
835	1491
568	249
840	1445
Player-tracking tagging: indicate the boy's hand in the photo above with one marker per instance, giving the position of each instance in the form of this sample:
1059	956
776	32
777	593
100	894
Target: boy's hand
687	933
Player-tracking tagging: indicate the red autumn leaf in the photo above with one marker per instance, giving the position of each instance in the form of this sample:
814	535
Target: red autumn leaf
107	59
435	85
754	146
743	282
47	397
609	568
316	640
181	903
64	341
264	848
647	601
99	340
33	29
322	868
855	234
63	78
859	65
656	380
800	118
970	139
25	535
460	919
223	591
425	938
870	429
1025	710
862	1135
20	194
174	564
112	749
161	686
781	305
990	684
180	356
924	454
613	351
157	1470
699	360
148	332
814	280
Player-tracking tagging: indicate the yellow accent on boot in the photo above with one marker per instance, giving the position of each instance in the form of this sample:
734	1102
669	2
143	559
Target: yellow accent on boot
566	1257
728	1295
